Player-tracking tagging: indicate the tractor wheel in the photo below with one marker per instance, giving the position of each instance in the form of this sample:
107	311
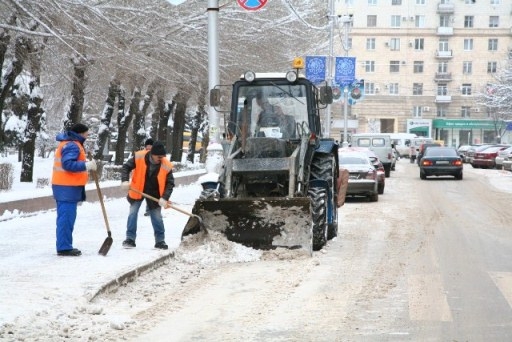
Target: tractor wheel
318	197
324	167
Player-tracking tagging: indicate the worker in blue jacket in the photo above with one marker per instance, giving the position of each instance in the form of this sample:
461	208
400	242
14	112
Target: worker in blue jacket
70	174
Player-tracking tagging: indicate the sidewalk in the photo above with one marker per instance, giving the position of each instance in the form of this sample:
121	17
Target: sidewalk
35	281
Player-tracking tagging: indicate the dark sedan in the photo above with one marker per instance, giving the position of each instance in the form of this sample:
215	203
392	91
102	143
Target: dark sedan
441	161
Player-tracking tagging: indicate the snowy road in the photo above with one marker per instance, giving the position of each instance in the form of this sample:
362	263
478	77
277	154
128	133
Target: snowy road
430	261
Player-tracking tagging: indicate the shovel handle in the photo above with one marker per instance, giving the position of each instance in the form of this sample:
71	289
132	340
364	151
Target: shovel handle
156	200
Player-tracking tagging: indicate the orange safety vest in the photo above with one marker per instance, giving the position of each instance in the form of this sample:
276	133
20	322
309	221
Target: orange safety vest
139	175
64	177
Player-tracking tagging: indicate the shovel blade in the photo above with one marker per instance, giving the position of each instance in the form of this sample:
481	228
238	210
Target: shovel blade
106	246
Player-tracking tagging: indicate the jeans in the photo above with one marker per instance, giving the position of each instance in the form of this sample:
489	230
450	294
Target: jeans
156	221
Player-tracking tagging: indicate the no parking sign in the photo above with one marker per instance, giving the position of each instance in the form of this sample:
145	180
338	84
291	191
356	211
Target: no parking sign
252	5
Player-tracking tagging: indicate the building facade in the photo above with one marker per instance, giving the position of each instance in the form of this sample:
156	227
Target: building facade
424	64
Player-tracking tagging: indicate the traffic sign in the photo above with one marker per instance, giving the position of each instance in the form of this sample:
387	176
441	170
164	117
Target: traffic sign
252	5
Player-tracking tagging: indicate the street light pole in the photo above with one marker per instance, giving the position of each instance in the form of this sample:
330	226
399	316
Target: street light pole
346	20
330	76
213	65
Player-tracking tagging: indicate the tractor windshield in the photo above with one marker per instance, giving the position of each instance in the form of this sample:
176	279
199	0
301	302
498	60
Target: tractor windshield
270	110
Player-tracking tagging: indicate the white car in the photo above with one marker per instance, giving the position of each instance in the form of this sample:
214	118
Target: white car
501	156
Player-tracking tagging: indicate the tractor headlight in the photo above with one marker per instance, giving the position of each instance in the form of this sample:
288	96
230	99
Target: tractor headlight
249	76
291	76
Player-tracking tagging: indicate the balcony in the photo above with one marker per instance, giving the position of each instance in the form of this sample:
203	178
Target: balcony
445	31
445	8
443	77
443	99
444	54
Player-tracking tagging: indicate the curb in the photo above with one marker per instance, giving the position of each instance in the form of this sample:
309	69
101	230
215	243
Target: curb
130	276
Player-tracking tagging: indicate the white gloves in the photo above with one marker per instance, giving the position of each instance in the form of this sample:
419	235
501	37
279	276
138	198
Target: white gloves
91	165
125	186
163	203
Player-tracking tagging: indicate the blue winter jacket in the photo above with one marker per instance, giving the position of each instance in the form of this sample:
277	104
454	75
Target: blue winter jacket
70	153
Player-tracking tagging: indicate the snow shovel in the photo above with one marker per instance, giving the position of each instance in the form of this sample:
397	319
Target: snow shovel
108	241
194	220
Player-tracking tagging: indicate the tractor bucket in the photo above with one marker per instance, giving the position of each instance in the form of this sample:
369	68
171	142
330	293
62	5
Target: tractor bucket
261	223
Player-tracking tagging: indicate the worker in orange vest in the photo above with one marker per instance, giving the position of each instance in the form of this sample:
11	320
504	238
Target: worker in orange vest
152	175
70	174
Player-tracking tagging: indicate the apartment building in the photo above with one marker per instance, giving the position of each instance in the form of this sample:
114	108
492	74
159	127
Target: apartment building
424	63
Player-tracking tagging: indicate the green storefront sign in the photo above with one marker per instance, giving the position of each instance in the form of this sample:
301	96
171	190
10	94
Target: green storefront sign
463	124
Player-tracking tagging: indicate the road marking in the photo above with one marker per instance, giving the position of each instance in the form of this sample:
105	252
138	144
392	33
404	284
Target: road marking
427	300
503	281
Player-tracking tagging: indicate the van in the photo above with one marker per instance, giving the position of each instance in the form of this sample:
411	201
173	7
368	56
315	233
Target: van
380	143
402	142
415	146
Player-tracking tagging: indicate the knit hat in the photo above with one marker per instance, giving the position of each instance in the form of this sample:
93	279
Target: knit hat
158	149
148	142
79	128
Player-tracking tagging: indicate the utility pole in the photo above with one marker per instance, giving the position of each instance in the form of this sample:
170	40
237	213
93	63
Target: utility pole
330	76
213	65
347	21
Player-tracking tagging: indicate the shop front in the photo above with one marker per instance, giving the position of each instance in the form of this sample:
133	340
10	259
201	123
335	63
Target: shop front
456	132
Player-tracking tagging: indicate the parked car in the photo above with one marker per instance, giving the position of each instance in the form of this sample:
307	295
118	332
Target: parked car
380	143
507	163
485	158
472	150
502	155
377	164
462	150
362	179
441	161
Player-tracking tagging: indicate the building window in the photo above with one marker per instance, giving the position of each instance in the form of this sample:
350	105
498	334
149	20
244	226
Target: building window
349	46
495	2
443	45
420	2
417	111
442	89
369	88
419	44
369	66
468	44
419	21
465	89
442	67
418	67
493	44
468	21
492	67
467	68
444	21
494	21
441	112
393	88
371	21
465	112
396	20
396	2
417	88
372	2
394	66
370	43
469	2
394	44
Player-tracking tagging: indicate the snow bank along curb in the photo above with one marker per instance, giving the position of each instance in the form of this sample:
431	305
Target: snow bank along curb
48	202
130	276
